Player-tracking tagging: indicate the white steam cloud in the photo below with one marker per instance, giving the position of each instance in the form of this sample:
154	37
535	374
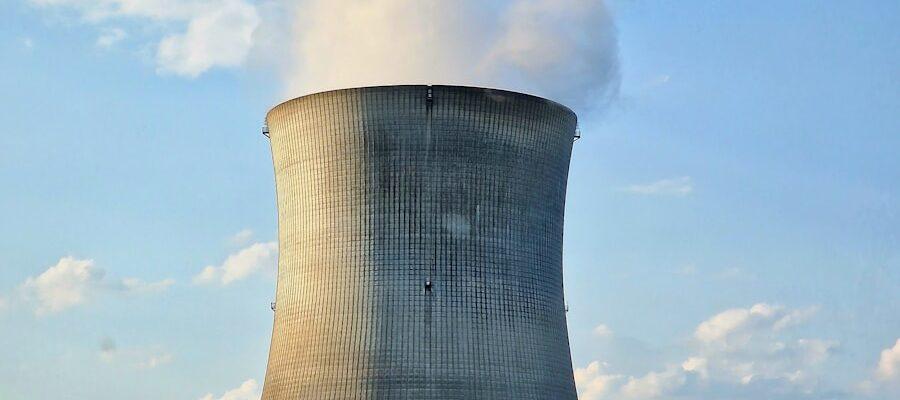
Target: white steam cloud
562	49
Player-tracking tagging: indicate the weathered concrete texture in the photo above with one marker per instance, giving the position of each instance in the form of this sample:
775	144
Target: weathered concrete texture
420	245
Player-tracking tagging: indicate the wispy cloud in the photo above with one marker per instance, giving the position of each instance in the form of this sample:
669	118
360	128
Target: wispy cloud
155	360
602	331
241	238
249	390
28	43
241	265
110	36
136	357
658	80
72	282
681	186
735	273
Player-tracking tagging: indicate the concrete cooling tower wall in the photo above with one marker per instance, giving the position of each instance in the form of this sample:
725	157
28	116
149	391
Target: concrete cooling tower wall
420	236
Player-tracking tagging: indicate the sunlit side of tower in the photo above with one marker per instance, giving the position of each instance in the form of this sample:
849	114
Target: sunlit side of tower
420	237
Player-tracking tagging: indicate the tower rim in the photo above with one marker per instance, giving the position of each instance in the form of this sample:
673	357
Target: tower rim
507	92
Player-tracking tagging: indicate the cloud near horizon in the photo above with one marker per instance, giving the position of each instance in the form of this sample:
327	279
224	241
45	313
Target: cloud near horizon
740	353
249	390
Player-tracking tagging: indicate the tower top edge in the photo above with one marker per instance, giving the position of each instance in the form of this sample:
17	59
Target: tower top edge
424	88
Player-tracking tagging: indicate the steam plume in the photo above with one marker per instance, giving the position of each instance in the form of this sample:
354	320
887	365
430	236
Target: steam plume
562	49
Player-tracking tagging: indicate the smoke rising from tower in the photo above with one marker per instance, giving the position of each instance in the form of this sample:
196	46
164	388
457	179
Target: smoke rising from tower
565	50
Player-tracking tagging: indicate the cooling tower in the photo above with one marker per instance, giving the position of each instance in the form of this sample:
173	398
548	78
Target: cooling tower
420	237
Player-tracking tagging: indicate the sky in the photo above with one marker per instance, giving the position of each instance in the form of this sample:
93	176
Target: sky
733	213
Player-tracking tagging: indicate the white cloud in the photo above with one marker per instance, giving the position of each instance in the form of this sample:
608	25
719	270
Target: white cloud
137	357
28	43
594	383
216	33
249	390
698	365
681	186
257	257
65	285
241	238
739	353
654	384
73	282
889	363
738	325
221	36
110	36
602	331
886	379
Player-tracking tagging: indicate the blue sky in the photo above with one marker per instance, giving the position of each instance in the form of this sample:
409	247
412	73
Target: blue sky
733	218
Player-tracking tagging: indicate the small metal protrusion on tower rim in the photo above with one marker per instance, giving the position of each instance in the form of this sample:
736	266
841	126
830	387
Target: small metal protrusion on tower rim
272	306
577	135
430	96
265	131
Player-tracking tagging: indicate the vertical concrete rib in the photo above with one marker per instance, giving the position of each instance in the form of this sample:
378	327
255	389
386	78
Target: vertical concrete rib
420	245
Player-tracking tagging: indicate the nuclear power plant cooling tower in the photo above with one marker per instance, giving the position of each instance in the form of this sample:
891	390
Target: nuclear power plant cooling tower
420	237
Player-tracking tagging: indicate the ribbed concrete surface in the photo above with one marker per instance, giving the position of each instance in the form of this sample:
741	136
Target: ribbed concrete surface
420	245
